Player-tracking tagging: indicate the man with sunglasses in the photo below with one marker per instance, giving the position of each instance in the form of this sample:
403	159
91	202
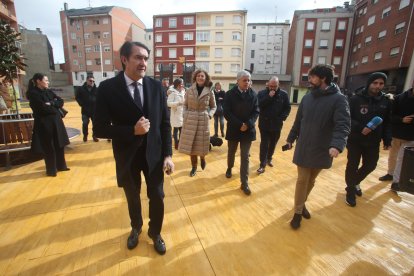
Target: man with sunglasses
86	98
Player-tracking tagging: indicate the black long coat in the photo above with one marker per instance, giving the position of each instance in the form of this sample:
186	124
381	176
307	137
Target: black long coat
238	109
48	123
86	99
273	110
116	115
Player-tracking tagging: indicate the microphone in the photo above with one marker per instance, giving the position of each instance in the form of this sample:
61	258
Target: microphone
374	123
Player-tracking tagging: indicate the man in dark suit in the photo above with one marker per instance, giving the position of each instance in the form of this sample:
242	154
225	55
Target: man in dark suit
131	109
274	109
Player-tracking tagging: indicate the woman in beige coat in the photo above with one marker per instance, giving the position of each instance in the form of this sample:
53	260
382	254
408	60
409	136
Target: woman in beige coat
199	107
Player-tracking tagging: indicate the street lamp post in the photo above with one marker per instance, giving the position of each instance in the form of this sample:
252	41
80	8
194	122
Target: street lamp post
100	48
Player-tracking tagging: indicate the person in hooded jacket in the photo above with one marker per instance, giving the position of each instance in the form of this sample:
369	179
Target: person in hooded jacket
366	133
49	132
175	101
321	127
86	98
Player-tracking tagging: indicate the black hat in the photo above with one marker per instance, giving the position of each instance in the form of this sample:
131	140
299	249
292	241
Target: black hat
374	76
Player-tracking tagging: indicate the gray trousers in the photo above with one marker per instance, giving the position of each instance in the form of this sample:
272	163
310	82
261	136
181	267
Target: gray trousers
244	158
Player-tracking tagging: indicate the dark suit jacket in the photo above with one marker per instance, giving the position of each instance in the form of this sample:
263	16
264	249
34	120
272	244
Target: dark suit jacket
116	115
273	110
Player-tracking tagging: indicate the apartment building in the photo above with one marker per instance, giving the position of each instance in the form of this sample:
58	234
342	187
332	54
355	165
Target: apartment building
8	13
213	41
92	38
38	53
383	40
266	53
319	36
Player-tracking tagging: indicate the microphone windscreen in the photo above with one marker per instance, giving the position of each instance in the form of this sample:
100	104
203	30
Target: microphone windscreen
374	123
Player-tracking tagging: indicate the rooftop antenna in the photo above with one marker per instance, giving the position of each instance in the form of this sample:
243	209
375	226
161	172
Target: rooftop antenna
89	1
275	14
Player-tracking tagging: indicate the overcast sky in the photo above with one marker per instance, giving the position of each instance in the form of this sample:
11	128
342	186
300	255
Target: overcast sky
44	14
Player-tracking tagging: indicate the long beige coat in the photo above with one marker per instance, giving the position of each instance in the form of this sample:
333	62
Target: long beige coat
195	135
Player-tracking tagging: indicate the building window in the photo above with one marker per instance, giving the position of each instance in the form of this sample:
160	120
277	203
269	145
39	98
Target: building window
252	54
107	49
395	51
219	21
74	49
188	51
361	29
96	48
107	61
261	59
86	36
399	28
217	68
354	49
97	61
323	44
386	12
253	37
203	21
341	25
105	21
89	62
85	22
371	20
308	43
404	3
368	40
189	20
172	38
357	31
158	38
218	52
235	67
75	62
105	34
77	26
188	36
203	36
364	59
88	49
237	19
339	43
359	45
172	53
382	34
336	61
235	52
73	35
321	60
310	25
307	61
96	35
158	52
96	22
203	53
172	22
378	56
203	65
304	77
104	74
326	26
79	54
158	22
219	37
236	35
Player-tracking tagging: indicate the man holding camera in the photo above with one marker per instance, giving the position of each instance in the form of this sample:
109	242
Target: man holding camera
370	122
274	109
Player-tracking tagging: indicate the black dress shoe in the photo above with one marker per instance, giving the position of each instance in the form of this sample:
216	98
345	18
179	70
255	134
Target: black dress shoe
193	171
132	241
270	163
85	138
305	213
260	170
295	222
245	189
159	244
95	139
358	190
64	169
387	177
395	187
228	173
51	174
203	164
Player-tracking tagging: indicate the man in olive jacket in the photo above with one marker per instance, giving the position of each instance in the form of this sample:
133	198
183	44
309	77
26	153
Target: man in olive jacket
241	110
321	128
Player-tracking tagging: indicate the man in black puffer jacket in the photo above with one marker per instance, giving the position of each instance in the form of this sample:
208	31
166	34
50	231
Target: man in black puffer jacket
86	98
370	122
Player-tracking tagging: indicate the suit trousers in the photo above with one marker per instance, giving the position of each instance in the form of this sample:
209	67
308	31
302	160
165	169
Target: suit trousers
268	141
304	185
393	152
370	155
244	158
155	193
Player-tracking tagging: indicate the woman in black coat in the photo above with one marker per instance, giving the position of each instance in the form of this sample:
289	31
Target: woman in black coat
49	132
